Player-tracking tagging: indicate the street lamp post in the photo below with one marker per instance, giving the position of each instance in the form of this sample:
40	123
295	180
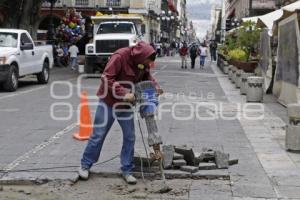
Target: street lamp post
235	23
168	19
51	31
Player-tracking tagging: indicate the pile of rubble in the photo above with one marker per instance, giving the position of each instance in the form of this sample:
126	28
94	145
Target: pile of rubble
183	158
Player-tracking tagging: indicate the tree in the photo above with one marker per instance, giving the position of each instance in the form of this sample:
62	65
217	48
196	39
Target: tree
21	14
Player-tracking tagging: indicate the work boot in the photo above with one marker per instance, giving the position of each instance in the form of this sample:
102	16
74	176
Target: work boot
130	179
83	173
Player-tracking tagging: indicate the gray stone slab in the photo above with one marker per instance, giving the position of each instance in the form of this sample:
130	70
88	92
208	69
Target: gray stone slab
256	190
207	156
212	174
178	156
289	192
190	169
287	181
188	154
221	159
177	174
168	153
210	189
233	162
63	176
179	163
20	178
197	196
207	166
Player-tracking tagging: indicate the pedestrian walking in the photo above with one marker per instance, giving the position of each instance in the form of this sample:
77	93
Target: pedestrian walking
173	47
183	52
193	55
168	49
153	45
158	49
130	65
73	51
203	53
60	56
66	54
213	50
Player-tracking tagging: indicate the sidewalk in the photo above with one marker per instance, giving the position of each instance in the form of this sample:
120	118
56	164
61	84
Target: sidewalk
267	138
265	169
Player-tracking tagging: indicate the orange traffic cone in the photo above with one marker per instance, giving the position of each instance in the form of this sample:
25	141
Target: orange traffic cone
85	124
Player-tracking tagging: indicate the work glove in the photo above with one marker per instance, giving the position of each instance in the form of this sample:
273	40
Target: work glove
159	91
129	97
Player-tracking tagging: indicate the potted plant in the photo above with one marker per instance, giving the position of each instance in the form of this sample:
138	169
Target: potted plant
244	55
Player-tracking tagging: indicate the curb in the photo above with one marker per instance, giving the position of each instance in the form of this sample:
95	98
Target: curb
169	174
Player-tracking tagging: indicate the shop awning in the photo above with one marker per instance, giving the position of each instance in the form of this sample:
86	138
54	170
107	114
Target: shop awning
231	13
268	20
251	19
172	7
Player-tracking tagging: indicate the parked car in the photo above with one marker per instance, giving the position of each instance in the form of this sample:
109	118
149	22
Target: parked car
19	56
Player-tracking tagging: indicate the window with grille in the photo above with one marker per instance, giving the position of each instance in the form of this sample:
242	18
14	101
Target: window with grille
113	3
82	2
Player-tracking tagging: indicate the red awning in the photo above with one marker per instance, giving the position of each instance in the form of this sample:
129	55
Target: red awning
172	7
231	13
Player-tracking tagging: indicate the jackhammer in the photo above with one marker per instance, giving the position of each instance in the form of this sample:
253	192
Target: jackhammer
147	96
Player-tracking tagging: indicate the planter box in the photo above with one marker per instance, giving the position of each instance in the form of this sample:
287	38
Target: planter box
246	66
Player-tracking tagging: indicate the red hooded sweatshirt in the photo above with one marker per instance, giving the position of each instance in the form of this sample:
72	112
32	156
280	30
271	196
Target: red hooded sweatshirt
123	66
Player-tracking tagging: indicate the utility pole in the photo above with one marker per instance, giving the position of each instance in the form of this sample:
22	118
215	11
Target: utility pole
250	8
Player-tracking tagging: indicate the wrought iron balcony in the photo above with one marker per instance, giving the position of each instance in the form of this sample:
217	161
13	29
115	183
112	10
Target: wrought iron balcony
82	3
263	4
113	3
89	3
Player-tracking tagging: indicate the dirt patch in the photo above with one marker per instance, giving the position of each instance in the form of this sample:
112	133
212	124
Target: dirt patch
97	188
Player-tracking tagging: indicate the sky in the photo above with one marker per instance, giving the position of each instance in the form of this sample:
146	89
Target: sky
199	12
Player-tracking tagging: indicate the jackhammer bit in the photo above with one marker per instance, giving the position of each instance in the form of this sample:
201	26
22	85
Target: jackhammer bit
147	97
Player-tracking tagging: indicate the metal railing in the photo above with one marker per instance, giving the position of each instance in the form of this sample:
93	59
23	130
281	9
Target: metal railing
89	3
82	3
113	3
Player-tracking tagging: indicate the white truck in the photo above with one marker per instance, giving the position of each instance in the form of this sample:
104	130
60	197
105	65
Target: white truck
19	56
111	32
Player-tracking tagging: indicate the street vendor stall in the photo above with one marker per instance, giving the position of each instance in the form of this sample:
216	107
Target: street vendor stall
266	66
287	79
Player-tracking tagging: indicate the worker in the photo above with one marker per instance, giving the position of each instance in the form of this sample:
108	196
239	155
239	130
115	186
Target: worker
131	64
183	51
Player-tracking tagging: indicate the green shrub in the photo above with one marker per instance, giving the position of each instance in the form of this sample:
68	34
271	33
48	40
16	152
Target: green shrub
238	55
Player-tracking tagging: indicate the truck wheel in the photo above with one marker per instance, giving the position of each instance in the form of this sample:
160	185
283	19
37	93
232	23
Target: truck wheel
89	69
43	76
11	83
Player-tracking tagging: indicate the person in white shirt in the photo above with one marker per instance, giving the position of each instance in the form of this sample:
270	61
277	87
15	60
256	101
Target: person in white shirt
60	56
73	52
203	53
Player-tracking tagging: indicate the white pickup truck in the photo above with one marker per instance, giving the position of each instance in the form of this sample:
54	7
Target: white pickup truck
111	32
19	56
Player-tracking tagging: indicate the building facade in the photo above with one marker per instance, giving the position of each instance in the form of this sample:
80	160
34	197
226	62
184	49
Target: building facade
246	8
281	3
215	22
149	9
234	10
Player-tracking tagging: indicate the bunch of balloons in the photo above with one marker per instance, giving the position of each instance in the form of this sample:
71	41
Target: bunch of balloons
72	27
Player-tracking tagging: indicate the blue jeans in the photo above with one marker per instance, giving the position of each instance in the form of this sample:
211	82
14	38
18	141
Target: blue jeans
73	62
202	60
104	119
